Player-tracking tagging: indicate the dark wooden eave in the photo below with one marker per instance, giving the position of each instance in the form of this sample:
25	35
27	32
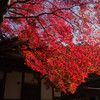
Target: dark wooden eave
9	54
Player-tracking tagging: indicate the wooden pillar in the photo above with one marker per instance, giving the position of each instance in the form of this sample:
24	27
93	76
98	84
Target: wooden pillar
13	85
46	93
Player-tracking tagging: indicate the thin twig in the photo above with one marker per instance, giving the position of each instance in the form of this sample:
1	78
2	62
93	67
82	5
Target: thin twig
43	28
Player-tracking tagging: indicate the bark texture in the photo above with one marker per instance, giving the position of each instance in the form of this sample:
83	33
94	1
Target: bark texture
3	9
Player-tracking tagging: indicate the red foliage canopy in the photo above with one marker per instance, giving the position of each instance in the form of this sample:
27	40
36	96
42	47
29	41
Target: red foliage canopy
60	38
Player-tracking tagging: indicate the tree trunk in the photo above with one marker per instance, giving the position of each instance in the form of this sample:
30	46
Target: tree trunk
3	9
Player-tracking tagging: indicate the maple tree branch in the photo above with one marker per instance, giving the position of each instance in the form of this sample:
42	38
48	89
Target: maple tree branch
74	6
28	16
20	17
47	13
19	14
53	12
65	20
69	8
16	13
43	27
84	19
68	22
32	3
41	13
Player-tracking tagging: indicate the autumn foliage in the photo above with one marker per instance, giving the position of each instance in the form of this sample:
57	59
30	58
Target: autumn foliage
60	38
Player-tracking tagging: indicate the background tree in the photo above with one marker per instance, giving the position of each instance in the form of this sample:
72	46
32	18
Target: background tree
47	32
